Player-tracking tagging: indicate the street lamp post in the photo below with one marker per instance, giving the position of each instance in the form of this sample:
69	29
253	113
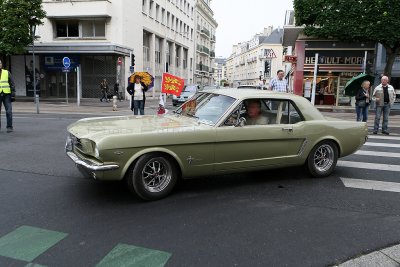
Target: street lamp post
35	96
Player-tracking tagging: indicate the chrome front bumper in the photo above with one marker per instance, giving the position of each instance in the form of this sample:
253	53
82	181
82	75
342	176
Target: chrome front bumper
91	166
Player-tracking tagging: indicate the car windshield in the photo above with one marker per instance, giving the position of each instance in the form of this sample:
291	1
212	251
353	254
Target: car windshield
207	108
190	89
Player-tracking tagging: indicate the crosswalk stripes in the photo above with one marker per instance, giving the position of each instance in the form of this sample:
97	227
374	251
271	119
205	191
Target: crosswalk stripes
372	185
389	143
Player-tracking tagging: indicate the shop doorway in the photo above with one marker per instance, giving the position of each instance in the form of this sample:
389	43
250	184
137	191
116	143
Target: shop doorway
55	83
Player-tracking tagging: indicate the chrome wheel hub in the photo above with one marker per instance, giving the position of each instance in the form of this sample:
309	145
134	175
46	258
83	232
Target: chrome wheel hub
324	158
156	175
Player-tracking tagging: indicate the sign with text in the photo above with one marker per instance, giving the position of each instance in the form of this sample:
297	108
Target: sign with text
291	59
172	84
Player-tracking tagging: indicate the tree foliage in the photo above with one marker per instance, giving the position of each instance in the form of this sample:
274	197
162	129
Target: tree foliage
17	17
353	21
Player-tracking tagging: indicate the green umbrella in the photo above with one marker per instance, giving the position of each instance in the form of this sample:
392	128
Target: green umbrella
354	84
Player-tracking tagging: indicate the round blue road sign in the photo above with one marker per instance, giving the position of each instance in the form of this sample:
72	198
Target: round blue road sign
66	62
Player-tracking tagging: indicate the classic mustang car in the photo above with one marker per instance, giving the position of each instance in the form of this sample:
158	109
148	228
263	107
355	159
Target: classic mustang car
215	132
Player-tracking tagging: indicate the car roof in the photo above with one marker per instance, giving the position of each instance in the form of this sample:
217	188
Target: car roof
233	92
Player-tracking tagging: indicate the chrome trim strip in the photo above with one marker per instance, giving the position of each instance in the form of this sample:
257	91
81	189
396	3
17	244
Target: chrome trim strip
303	147
90	165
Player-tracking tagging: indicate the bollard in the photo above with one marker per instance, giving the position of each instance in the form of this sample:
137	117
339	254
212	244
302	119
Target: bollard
115	99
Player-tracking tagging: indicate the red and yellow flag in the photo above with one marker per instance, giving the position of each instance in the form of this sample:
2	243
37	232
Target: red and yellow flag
171	84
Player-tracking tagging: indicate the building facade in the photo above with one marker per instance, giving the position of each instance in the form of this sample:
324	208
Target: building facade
205	43
104	38
219	71
256	62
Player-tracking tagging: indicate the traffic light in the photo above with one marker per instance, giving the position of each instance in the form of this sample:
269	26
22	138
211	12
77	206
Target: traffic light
266	68
133	60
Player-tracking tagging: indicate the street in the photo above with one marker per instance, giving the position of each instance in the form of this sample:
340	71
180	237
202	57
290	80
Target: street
52	216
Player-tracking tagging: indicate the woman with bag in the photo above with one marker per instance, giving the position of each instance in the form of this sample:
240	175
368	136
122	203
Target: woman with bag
363	101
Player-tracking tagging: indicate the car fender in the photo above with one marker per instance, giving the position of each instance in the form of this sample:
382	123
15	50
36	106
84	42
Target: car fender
140	153
324	138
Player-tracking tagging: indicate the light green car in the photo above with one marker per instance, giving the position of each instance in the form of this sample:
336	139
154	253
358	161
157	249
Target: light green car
215	132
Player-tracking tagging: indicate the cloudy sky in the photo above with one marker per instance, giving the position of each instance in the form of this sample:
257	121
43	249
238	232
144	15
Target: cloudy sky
239	21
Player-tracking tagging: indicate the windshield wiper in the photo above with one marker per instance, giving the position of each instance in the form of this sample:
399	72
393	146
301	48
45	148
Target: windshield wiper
192	115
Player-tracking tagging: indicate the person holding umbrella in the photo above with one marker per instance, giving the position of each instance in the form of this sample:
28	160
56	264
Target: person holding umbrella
137	91
363	101
384	95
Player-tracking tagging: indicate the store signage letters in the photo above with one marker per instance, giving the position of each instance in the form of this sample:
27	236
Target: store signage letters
335	60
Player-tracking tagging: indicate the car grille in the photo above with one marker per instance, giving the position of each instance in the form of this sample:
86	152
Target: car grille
76	142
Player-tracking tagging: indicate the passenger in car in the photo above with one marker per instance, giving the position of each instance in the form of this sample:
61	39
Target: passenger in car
254	115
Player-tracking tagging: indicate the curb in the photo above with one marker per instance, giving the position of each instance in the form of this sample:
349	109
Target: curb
387	257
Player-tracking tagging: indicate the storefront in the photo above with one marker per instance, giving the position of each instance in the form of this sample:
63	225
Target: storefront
91	63
337	64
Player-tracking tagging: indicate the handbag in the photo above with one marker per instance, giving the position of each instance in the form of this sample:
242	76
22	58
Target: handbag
362	103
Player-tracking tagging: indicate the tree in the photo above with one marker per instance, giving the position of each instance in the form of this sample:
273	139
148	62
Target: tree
17	18
353	21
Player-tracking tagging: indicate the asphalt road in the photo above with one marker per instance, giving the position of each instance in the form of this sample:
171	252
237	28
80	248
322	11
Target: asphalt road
52	216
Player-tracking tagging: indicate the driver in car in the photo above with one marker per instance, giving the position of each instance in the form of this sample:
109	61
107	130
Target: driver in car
254	115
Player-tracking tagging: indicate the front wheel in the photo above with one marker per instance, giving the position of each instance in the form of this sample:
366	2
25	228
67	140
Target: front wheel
322	159
153	176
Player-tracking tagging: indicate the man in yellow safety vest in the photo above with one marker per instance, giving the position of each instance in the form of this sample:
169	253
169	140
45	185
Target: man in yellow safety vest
7	95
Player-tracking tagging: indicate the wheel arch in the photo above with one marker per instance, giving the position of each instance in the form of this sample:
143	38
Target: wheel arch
158	150
329	138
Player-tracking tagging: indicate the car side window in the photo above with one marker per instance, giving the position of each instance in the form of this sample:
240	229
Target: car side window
282	112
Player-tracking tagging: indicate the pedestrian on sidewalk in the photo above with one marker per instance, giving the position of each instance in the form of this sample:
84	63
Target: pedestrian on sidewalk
363	101
279	84
137	91
384	96
104	90
7	95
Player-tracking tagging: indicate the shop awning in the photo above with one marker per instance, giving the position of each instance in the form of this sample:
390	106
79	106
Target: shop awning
80	48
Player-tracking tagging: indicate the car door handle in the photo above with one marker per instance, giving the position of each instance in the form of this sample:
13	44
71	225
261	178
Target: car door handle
288	129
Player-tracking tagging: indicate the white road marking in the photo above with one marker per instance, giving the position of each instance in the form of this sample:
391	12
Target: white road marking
381	144
377	153
384	137
370	166
371	184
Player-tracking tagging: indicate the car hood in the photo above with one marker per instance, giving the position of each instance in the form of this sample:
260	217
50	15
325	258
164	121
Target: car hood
99	128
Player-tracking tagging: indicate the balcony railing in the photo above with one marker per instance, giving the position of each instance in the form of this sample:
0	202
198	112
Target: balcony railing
205	32
202	68
213	38
203	49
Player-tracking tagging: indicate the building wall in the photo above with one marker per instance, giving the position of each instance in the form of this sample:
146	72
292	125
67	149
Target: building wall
205	26
247	63
139	27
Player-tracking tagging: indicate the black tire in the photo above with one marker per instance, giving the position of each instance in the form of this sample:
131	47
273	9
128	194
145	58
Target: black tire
322	159
153	176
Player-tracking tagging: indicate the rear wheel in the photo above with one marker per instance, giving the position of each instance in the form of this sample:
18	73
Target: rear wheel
322	159
153	176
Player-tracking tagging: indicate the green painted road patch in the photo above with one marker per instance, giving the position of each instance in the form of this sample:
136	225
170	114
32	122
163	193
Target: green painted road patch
126	255
26	243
